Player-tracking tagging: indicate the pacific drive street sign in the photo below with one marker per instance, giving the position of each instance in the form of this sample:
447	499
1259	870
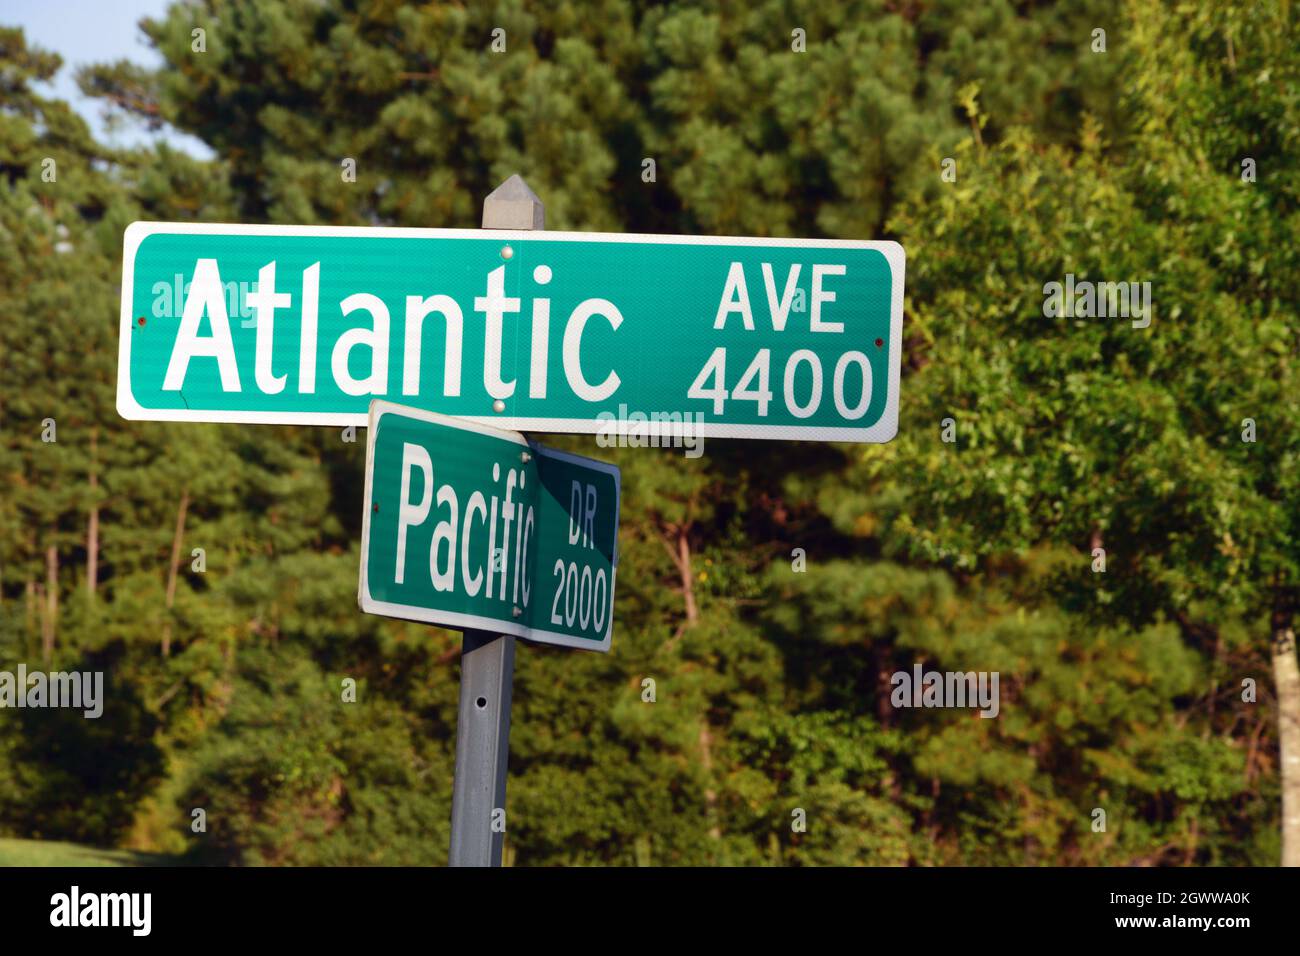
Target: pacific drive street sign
476	528
527	331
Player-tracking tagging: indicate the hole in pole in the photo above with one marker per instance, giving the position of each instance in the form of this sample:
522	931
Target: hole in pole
481	703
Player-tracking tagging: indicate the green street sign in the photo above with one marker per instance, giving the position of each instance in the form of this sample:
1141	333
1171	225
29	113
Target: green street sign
476	528
529	331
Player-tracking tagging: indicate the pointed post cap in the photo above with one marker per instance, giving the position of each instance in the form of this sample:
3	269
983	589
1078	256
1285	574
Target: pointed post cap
512	205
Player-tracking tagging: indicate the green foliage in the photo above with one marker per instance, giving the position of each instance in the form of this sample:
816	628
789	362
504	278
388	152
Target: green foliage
291	777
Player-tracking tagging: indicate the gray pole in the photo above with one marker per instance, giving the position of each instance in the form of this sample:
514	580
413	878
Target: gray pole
487	660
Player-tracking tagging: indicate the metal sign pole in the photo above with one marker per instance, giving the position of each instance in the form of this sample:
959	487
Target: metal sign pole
487	660
487	670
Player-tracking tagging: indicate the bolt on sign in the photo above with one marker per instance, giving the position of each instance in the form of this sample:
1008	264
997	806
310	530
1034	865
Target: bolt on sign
528	331
476	528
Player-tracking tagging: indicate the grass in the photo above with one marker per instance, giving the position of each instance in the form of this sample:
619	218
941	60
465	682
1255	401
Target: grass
49	853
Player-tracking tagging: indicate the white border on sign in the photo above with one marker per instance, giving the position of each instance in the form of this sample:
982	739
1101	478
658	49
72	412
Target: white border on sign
882	431
452	619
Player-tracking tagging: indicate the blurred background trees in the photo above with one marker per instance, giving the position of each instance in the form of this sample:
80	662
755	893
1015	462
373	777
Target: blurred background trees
1120	690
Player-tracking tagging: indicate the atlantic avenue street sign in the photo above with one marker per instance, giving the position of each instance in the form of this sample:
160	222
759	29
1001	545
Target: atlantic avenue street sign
527	331
476	528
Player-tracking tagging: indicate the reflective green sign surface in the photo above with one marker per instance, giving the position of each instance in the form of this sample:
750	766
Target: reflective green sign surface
472	527
531	331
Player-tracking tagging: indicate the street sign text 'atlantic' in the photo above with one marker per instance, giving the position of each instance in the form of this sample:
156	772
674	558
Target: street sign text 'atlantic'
529	331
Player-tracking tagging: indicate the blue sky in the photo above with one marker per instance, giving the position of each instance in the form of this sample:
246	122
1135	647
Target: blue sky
95	31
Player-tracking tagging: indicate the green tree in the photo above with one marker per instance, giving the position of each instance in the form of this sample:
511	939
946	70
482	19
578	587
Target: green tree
1090	433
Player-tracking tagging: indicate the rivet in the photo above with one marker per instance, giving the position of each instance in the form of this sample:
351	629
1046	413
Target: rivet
498	406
